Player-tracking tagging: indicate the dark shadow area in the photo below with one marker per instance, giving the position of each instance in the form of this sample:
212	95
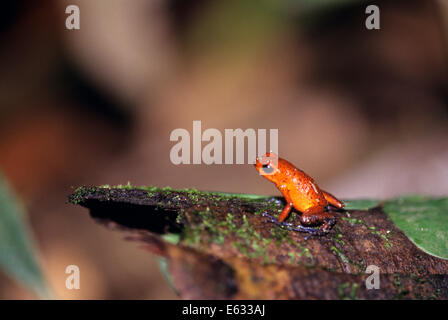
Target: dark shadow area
133	216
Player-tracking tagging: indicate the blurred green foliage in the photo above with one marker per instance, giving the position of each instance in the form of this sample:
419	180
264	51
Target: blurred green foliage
17	252
236	27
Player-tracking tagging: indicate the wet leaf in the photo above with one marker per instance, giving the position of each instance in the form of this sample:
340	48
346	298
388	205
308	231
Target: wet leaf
424	220
361	204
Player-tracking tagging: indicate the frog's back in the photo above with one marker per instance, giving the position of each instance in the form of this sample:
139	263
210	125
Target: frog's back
303	191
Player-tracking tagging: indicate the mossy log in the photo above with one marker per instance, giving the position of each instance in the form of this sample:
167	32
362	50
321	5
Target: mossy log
220	246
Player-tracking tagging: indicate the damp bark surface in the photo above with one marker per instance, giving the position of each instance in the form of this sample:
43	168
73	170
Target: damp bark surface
221	246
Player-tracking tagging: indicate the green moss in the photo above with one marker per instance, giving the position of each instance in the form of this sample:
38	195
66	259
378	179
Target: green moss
191	236
151	191
341	242
402	292
295	256
280	236
337	252
250	241
360	265
435	295
418	279
353	220
387	243
204	226
195	194
180	217
347	291
384	236
126	186
80	193
338	237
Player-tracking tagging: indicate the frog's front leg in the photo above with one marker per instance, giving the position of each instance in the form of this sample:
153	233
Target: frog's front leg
318	215
332	200
285	213
289	204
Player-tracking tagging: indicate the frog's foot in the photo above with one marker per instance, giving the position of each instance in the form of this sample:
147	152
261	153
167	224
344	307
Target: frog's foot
328	224
291	227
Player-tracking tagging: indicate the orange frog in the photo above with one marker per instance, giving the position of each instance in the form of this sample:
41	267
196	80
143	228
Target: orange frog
301	192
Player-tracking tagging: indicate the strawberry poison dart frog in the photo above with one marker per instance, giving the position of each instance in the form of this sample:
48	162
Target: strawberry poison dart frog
301	192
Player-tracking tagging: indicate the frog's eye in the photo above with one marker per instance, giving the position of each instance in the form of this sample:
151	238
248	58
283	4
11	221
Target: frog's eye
268	169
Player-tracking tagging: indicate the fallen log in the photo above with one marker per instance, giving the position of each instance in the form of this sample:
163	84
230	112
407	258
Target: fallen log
220	246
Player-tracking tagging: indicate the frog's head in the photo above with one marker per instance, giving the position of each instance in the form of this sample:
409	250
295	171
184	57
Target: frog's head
267	166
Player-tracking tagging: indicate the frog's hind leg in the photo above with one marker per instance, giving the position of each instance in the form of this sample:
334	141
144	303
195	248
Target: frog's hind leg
333	200
317	215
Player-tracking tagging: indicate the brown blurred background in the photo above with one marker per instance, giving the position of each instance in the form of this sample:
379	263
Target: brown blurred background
364	112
